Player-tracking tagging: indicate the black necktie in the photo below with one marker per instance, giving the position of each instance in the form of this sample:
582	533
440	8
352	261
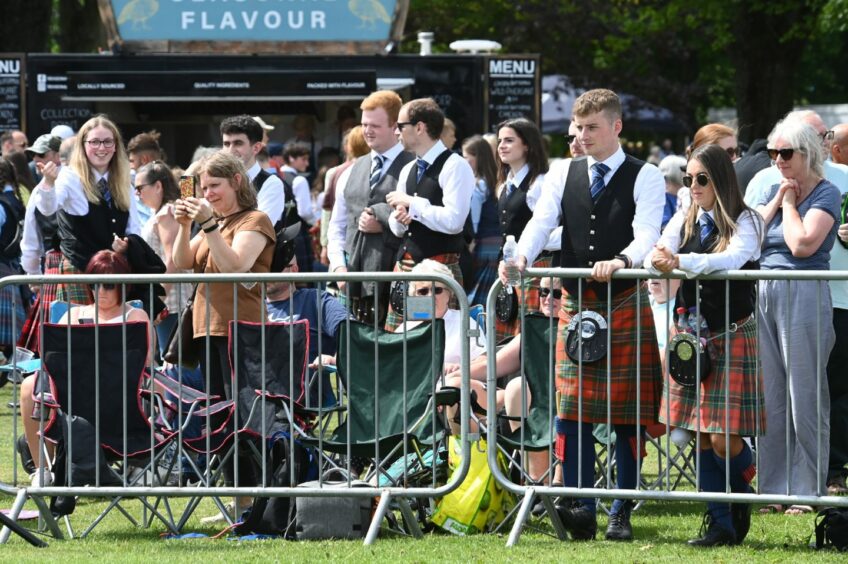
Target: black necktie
510	188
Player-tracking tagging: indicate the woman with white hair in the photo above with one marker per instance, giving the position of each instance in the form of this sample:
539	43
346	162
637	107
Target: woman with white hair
794	317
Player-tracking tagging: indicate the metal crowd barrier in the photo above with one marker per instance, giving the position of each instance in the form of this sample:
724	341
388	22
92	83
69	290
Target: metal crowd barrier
411	477
667	487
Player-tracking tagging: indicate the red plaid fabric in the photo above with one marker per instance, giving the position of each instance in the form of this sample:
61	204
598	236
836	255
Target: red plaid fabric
528	295
47	293
73	293
629	341
451	260
745	405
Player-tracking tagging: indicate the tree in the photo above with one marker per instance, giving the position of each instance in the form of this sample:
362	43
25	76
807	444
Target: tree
25	26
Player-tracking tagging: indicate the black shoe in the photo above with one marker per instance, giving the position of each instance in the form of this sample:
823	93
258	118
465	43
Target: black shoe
578	520
715	535
618	526
740	513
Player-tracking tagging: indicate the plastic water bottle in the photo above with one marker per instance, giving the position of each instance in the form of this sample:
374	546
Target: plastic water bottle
682	320
510	258
693	320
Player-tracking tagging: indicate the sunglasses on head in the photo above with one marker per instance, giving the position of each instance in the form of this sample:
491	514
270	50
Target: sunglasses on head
701	178
545	292
425	291
785	154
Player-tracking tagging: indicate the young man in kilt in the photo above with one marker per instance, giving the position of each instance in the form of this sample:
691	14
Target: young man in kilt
718	232
433	196
610	206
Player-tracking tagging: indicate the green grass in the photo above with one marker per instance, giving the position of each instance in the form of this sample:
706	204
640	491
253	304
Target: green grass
661	530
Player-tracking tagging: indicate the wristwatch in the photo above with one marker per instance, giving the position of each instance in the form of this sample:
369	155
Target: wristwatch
625	259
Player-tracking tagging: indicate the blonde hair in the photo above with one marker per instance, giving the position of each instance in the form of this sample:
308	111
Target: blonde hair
225	165
354	143
119	165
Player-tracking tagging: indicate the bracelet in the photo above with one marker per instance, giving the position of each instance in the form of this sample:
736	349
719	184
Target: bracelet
625	259
208	219
214	227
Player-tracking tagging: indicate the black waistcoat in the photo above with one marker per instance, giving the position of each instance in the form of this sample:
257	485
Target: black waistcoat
84	235
49	228
597	231
712	292
420	241
289	212
513	211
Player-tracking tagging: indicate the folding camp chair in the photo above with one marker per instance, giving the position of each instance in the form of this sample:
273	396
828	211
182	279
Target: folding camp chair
388	410
94	375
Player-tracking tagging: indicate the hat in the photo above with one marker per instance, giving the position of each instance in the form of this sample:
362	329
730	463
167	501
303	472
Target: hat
45	143
262	123
275	149
62	131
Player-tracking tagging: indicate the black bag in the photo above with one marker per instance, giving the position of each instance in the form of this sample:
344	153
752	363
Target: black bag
337	517
832	529
398	291
274	515
13	230
184	331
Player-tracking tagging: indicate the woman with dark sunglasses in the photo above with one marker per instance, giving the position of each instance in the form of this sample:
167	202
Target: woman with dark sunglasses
716	134
801	215
717	232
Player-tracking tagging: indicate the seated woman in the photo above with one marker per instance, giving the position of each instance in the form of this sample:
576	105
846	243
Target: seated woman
107	309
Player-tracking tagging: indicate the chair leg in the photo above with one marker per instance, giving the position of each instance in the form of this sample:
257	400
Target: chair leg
47	515
409	518
521	517
20	500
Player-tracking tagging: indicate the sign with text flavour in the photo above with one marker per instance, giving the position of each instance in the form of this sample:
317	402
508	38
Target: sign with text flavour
254	20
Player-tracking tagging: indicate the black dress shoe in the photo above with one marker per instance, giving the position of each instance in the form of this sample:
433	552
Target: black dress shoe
740	513
715	535
578	520
618	527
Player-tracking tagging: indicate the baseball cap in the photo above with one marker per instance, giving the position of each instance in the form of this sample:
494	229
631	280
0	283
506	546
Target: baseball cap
262	123
44	143
62	131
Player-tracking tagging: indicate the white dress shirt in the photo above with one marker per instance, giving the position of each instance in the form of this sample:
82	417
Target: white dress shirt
271	199
31	241
302	196
457	182
68	195
648	193
534	192
337	232
744	245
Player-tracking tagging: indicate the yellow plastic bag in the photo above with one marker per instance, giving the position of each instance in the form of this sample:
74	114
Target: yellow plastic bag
479	504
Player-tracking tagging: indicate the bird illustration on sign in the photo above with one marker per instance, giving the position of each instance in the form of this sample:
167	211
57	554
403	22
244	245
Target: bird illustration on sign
369	12
138	12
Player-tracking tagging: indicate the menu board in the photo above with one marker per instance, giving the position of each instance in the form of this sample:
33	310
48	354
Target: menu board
513	89
11	91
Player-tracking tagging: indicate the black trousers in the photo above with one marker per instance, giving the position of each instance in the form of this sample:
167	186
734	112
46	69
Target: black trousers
837	380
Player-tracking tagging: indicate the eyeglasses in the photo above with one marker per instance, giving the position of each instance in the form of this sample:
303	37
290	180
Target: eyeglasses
785	154
732	151
570	139
545	292
140	187
425	291
701	178
107	143
401	124
827	135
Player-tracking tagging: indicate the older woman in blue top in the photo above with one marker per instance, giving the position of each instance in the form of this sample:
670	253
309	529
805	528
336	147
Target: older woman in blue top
795	316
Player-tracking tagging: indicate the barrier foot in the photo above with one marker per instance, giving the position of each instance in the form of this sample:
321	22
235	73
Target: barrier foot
377	520
548	502
521	517
409	518
10	523
47	516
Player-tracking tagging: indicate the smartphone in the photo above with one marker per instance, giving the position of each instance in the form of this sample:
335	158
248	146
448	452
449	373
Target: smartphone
86	321
188	187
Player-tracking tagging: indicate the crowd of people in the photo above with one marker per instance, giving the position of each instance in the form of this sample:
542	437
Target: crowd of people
400	198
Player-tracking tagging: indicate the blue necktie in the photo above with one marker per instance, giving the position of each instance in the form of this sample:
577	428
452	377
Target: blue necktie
510	188
103	184
707	226
422	168
599	170
376	169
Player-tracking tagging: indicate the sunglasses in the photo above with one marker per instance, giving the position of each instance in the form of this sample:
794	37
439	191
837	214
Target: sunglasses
732	151
105	286
401	124
545	292
701	178
827	135
785	154
426	291
141	187
570	139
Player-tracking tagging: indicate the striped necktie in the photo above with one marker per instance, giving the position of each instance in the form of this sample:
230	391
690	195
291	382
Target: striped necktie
599	170
422	168
707	227
103	184
510	188
376	170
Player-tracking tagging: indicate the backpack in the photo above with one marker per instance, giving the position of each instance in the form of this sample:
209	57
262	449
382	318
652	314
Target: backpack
832	529
13	230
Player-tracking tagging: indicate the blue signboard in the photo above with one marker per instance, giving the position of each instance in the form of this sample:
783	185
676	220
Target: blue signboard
254	20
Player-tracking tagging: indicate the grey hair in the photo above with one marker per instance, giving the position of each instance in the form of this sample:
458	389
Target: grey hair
672	168
803	138
429	266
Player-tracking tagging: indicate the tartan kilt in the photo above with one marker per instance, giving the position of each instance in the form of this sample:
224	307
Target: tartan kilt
622	358
451	260
528	294
486	254
72	293
46	294
746	402
12	308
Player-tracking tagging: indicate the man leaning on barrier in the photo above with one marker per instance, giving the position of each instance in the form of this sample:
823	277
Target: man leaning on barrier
610	206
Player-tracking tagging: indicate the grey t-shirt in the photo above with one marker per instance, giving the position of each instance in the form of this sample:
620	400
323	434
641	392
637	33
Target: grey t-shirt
776	254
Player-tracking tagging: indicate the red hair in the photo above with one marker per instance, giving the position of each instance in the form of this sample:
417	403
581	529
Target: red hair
108	262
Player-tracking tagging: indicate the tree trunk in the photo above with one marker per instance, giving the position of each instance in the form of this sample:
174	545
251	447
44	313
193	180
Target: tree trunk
25	26
80	29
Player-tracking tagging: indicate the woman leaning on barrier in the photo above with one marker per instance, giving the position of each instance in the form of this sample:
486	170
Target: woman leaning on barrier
717	232
795	316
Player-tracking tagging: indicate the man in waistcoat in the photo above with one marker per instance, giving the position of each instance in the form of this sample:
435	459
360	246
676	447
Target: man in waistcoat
433	195
359	238
610	206
242	138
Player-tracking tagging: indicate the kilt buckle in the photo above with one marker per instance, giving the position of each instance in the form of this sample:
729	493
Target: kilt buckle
590	344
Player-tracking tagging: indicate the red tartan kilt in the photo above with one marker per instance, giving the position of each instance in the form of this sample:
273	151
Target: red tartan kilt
528	297
745	406
623	388
29	338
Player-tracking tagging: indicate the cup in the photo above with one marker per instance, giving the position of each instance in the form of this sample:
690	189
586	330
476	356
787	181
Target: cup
22	355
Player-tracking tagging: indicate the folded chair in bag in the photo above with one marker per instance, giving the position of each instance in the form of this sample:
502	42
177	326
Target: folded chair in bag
388	410
94	375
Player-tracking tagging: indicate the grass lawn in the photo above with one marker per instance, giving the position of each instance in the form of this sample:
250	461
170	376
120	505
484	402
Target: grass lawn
661	530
